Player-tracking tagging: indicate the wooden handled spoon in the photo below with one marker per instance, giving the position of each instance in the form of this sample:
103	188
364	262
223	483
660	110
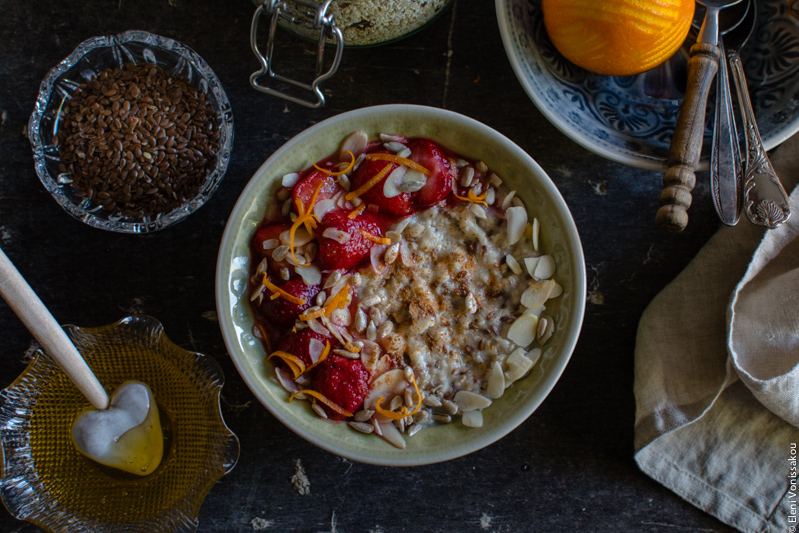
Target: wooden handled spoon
686	144
55	342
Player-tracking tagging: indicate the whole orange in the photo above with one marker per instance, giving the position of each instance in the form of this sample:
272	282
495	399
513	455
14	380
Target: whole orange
617	37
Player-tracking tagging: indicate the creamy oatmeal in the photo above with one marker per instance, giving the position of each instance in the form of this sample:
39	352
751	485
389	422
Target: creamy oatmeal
398	286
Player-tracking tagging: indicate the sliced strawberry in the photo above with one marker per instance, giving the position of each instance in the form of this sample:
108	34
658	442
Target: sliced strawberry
268	233
355	249
282	311
305	189
398	205
439	182
299	343
342	381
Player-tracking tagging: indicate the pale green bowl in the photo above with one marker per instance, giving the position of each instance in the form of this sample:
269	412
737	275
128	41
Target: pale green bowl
473	140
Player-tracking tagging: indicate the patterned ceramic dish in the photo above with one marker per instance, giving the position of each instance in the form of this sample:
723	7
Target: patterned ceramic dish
631	119
464	136
90	58
47	481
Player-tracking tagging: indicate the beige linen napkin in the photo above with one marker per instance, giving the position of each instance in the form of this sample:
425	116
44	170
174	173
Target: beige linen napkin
717	373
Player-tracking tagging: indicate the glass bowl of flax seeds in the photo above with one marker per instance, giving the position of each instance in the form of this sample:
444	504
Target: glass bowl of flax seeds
132	132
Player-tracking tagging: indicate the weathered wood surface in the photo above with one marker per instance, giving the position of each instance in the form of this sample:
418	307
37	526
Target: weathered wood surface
569	467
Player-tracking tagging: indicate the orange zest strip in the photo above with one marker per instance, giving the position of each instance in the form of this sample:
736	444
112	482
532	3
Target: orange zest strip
340	172
322	399
471	197
369	184
281	293
316	313
357	211
350	347
265	337
413	165
322	356
309	219
375	238
295	363
339	301
393	415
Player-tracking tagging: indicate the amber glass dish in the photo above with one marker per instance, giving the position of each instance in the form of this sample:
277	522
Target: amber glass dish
46	481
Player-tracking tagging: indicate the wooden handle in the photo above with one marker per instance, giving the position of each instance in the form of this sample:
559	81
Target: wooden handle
55	342
686	145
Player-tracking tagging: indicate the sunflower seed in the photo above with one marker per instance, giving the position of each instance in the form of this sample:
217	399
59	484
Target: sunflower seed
363	415
363	427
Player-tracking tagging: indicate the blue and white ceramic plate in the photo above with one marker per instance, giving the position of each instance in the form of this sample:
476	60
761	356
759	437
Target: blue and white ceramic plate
631	119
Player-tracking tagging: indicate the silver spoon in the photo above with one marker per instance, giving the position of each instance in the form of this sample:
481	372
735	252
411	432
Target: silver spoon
765	201
726	168
686	144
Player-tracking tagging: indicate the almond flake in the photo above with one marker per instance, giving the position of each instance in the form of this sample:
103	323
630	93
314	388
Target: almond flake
470	401
472	419
517	220
291	179
545	267
337	235
523	329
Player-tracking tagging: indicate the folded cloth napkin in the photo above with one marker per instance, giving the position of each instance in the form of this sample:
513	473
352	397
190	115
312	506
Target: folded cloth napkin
717	373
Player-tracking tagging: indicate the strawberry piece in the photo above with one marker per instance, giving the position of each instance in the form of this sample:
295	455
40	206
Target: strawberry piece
439	182
398	205
299	342
305	189
337	255
266	233
342	381
284	312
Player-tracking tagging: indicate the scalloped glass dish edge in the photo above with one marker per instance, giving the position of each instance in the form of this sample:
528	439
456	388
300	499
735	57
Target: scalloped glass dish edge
23	491
42	155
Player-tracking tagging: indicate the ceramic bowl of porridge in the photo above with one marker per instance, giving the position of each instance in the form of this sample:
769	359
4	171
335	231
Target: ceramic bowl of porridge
400	285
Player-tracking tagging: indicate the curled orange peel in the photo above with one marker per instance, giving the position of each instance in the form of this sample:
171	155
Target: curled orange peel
393	415
413	165
322	398
278	292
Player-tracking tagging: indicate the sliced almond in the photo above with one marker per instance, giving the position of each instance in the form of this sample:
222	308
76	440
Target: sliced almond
496	381
530	263
513	264
557	290
518	365
386	385
469	401
537	293
356	142
290	180
523	329
412	181
310	274
336	234
517	220
391	187
322	207
301	237
389	432
545	267
536	233
472	419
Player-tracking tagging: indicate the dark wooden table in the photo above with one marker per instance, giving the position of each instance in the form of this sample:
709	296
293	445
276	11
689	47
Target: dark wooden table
569	467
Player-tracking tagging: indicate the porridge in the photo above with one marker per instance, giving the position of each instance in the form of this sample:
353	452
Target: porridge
396	285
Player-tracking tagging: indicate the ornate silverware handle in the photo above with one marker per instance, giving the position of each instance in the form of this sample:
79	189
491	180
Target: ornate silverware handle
765	201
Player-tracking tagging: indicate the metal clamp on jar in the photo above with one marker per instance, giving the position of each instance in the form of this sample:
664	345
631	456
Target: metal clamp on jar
354	23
